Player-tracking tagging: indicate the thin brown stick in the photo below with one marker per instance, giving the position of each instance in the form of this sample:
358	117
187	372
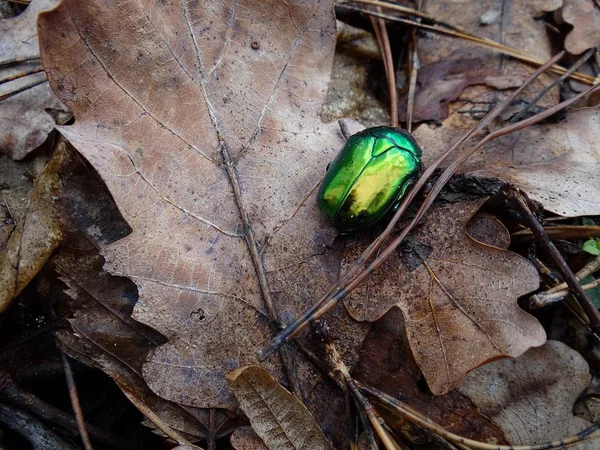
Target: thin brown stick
453	31
391	75
574	309
371	413
364	422
34	431
588	269
544	91
22	89
395	439
21	75
74	396
211	430
413	69
424	422
155	419
544	299
561	232
17	60
383	42
11	392
542	237
351	422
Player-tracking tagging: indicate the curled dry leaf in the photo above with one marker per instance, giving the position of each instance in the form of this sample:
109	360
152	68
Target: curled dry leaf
16	187
532	397
555	163
207	134
277	416
458	297
37	234
444	82
24	122
584	15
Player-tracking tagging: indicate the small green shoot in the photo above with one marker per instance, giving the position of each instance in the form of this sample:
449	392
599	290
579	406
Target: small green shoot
592	246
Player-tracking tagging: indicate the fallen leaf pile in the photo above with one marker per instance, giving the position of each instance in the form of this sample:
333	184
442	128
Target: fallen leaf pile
178	211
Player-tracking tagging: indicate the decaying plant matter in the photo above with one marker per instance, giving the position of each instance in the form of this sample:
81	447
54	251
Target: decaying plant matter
174	220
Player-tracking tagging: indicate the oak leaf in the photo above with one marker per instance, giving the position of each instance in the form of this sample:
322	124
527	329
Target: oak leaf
584	15
203	120
386	363
532	397
458	297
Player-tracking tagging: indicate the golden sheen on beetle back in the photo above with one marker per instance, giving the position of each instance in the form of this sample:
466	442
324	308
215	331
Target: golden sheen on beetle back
369	176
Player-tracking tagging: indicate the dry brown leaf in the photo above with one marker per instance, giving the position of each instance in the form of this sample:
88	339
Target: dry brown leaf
584	15
15	189
24	122
37	234
158	120
532	397
277	416
566	183
588	404
386	363
555	163
104	334
102	305
462	80
244	438
161	159
444	82
458	297
544	6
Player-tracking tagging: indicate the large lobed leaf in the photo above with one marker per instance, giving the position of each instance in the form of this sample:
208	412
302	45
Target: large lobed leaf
203	121
457	296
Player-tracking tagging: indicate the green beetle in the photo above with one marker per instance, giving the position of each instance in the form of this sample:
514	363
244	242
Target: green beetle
368	177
